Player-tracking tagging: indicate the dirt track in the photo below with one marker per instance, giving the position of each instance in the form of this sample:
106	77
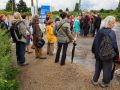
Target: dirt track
46	75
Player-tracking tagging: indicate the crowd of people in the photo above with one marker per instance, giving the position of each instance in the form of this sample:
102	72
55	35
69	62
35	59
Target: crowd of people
63	30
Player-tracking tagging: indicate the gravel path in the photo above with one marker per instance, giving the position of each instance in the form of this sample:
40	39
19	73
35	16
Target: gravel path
46	75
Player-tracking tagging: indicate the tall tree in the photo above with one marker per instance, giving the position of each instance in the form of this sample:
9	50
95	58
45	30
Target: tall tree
118	8
9	6
77	7
21	6
67	9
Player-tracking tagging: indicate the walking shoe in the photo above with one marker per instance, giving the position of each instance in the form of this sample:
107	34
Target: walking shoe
104	85
56	61
62	64
24	64
94	83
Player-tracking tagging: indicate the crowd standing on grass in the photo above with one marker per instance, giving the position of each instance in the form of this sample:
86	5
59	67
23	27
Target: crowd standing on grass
63	30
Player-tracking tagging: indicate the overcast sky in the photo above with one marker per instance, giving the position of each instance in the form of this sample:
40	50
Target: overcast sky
62	4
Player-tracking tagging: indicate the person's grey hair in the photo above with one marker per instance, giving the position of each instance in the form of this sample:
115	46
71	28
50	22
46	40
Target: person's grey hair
105	22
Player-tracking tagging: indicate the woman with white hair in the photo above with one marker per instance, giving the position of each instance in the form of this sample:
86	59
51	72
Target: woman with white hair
104	64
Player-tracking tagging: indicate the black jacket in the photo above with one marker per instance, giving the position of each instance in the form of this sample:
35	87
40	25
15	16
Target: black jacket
97	41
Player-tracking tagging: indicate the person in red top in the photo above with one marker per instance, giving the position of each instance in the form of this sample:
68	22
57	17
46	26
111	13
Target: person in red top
71	23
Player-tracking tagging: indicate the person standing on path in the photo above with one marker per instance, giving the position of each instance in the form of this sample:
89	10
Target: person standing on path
64	36
20	45
29	35
37	35
50	37
86	25
97	23
76	26
106	29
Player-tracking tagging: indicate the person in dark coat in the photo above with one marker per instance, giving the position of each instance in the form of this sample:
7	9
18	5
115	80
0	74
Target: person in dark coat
106	28
86	25
97	23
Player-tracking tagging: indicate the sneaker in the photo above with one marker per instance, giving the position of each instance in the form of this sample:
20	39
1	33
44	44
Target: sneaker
24	64
94	83
62	64
104	85
56	61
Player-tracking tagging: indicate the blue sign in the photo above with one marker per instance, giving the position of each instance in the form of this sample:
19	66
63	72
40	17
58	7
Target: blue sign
44	10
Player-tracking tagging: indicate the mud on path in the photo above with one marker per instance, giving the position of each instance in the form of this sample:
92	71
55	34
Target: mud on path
46	75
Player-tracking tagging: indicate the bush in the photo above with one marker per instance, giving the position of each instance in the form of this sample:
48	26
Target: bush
7	72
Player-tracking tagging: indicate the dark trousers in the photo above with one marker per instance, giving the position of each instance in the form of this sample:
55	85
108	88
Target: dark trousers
95	30
20	52
64	50
86	30
107	69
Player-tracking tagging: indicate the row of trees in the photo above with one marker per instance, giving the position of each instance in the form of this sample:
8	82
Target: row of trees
20	7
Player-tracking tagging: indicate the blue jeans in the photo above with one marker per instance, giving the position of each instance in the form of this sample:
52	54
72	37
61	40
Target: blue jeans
107	69
65	46
20	52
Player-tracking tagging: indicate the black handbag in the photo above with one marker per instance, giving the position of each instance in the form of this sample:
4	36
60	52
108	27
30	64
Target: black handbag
40	43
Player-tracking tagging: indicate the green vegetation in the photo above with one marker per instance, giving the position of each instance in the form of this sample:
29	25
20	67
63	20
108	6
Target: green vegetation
22	7
9	6
7	71
112	13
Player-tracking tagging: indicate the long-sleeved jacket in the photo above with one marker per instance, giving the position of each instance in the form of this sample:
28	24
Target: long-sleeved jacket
50	35
22	28
37	33
97	41
64	34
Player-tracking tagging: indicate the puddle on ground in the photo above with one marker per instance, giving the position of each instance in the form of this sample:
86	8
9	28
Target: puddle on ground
86	63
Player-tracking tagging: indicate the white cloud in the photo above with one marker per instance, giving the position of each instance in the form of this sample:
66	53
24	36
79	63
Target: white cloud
62	4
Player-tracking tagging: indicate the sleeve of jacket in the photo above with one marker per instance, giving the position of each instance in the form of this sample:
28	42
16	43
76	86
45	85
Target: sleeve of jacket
68	32
22	29
114	42
96	42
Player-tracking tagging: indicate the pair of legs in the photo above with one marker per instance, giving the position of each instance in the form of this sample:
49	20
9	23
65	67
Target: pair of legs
50	48
63	47
86	30
107	69
95	30
39	53
28	49
20	52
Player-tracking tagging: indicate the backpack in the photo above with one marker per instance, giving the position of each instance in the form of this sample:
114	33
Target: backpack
106	50
15	33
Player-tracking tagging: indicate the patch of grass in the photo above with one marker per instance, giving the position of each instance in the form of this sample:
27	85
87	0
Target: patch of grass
8	73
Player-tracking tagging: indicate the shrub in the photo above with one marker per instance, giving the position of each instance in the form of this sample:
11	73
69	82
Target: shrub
7	72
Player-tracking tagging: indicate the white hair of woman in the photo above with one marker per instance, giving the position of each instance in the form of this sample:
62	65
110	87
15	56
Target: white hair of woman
106	22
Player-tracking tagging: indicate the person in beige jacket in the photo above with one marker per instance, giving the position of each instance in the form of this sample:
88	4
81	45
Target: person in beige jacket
21	44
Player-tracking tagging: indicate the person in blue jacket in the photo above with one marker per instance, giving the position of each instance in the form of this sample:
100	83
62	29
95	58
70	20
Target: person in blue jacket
106	27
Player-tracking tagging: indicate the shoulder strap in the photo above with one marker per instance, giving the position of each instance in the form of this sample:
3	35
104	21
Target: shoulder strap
60	26
19	23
